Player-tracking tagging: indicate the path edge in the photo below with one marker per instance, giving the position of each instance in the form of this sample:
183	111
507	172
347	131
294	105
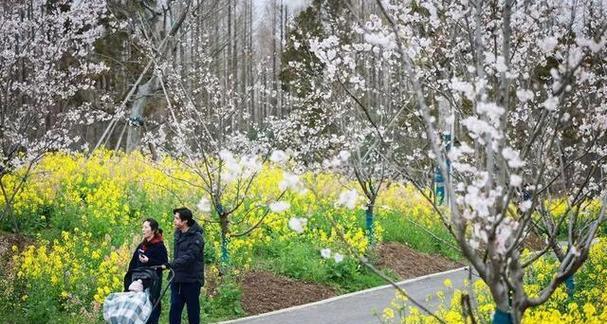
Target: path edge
328	300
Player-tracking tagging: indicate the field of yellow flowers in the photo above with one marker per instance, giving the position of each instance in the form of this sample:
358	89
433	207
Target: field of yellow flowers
84	216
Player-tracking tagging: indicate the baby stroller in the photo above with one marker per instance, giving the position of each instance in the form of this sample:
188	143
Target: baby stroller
132	307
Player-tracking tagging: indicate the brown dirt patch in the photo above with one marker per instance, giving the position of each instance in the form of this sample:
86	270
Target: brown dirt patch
7	240
408	263
263	292
533	242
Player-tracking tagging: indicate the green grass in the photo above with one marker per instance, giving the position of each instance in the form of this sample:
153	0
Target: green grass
301	260
434	240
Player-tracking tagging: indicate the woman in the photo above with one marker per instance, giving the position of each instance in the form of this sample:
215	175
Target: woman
150	252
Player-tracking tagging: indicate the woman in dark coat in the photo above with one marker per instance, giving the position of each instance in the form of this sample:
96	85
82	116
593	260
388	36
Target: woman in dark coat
150	252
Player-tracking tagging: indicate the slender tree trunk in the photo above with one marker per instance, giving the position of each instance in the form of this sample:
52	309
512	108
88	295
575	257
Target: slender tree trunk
251	77
369	221
273	95
135	130
242	73
225	232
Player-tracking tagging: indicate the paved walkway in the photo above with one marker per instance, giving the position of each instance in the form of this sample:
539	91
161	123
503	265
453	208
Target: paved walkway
360	307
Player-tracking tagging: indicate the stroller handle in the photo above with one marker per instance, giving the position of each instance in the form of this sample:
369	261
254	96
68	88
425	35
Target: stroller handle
162	267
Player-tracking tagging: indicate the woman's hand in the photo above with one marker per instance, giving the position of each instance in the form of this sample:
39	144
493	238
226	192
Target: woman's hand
143	258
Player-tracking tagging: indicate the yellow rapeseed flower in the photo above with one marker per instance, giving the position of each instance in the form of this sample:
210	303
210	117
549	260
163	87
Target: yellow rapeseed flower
388	313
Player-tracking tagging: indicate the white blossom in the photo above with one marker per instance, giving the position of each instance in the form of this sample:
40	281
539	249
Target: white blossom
525	205
297	224
344	155
524	95
325	253
548	44
503	234
474	244
491	109
348	199
512	156
477	128
386	41
465	87
515	180
595	47
289	181
279	206
551	103
500	64
226	156
479	232
338	257
250	165
204	205
279	157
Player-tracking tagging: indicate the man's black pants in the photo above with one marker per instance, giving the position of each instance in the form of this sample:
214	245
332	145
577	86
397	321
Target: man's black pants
185	294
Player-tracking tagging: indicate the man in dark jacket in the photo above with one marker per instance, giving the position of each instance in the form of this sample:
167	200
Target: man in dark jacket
188	266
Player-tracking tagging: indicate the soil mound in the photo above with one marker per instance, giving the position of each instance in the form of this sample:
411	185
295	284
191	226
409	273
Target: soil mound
408	263
264	292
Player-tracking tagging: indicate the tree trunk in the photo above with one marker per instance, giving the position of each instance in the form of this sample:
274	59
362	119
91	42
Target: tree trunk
224	225
135	128
274	80
250	76
369	218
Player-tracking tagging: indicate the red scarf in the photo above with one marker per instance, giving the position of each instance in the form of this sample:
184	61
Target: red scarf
157	238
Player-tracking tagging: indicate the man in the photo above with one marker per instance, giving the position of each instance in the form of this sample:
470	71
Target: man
188	267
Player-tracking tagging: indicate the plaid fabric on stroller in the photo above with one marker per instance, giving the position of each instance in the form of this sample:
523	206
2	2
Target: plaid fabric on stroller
127	307
135	307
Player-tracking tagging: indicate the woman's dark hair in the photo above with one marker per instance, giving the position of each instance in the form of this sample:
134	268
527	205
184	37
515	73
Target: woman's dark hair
184	214
154	225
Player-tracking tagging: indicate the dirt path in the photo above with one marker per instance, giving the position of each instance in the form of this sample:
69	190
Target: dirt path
264	291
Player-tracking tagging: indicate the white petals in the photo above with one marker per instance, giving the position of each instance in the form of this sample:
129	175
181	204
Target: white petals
325	253
344	155
491	109
297	224
289	181
348	199
524	95
500	64
204	205
279	206
525	205
250	164
512	156
474	244
551	103
464	87
515	180
548	44
226	155
234	169
503	235
380	39
591	44
338	257
279	157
